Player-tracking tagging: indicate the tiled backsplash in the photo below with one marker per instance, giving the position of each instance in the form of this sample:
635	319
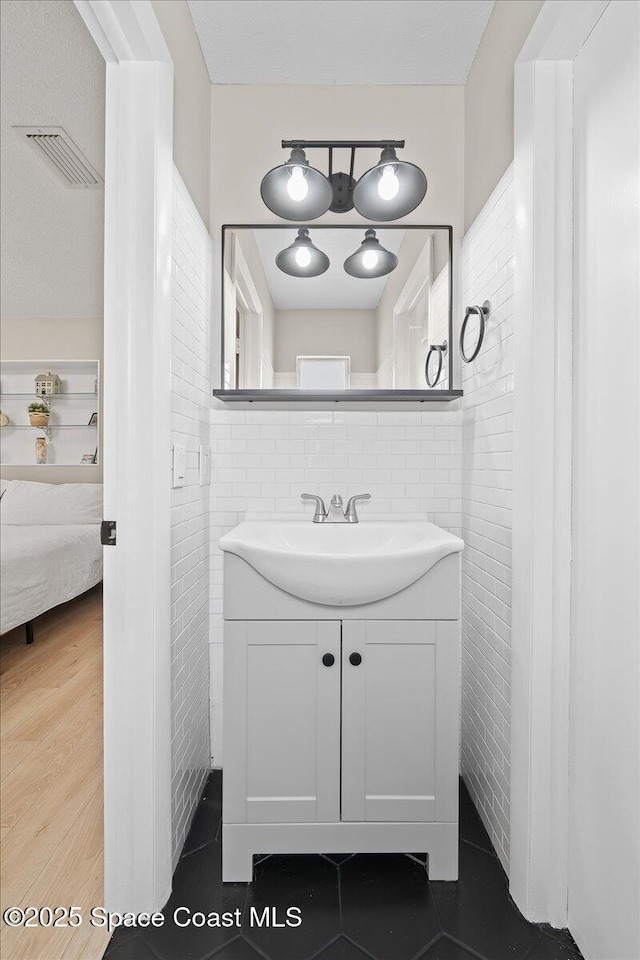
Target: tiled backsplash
487	274
190	401
409	461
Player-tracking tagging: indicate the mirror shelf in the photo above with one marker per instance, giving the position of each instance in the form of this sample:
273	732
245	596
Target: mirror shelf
336	396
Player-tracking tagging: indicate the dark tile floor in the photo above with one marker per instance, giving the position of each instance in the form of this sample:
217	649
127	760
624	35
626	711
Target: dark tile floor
380	907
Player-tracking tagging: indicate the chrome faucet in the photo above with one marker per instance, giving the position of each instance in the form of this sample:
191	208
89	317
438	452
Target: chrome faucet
336	513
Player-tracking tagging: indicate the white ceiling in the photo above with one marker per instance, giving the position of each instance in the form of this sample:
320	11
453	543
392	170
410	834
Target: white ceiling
334	289
52	75
339	41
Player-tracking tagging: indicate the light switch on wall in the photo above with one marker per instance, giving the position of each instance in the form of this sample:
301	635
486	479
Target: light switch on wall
179	469
205	465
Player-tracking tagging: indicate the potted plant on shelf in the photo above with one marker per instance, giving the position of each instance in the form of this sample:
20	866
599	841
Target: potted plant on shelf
38	414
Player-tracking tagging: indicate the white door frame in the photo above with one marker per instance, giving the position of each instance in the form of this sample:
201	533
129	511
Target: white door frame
251	321
137	442
419	279
543	188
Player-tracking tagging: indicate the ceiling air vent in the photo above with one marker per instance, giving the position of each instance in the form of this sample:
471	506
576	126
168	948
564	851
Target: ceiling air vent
56	146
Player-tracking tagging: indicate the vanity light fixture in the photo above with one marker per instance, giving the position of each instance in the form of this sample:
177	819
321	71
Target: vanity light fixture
297	191
302	258
389	190
371	259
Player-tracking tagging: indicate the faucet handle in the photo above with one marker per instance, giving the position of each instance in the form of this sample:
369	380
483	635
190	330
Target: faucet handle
351	513
321	511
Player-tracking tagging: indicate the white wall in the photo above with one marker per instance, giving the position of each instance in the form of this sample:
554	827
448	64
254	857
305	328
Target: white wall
52	249
349	333
487	273
191	106
604	786
488	101
190	401
264	459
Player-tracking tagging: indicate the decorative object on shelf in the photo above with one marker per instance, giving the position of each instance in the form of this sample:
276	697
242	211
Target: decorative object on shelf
371	259
41	450
31	391
4	419
440	349
47	384
39	414
483	314
87	458
302	258
93	420
297	191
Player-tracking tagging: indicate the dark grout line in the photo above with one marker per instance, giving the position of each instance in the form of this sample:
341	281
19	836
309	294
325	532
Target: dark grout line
466	947
423	950
489	853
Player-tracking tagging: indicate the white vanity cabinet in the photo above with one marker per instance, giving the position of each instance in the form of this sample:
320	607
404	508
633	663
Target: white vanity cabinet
341	735
399	721
282	720
341	691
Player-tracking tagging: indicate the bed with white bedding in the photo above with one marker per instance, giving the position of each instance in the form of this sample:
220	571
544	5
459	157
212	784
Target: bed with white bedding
50	549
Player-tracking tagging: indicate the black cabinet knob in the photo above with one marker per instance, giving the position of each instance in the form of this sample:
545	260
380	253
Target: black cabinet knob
355	659
328	659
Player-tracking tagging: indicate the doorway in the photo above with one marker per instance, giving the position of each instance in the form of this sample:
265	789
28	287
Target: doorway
51	703
603	710
574	785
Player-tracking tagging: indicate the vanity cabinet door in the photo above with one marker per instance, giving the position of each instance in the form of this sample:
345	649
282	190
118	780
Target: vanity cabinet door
399	720
282	721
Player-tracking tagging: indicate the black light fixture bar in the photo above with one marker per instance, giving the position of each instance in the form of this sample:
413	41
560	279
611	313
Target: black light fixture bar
328	144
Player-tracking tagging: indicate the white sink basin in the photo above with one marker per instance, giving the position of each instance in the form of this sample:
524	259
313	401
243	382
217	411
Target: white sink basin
340	564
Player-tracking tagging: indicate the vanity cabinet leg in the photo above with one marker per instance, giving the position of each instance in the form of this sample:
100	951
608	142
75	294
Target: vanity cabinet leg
237	859
443	854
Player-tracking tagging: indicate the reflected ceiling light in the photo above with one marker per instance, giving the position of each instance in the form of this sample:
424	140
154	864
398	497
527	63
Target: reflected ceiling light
389	190
371	259
295	190
302	259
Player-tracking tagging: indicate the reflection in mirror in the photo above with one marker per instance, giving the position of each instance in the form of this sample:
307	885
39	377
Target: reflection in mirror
290	321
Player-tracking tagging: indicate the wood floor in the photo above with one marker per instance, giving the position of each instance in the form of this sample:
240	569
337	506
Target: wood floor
51	836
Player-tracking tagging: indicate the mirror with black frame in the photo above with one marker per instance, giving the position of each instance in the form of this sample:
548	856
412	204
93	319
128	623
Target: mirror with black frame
336	310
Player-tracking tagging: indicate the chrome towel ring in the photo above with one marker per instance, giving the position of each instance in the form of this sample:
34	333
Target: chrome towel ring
440	349
483	313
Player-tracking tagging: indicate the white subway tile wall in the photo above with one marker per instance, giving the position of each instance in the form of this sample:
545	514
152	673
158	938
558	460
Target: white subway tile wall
190	403
487	274
262	460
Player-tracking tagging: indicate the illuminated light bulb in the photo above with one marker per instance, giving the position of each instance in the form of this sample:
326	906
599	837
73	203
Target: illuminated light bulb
297	187
303	256
388	184
370	259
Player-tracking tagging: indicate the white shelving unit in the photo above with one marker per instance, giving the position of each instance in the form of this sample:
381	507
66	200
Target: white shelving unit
70	434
